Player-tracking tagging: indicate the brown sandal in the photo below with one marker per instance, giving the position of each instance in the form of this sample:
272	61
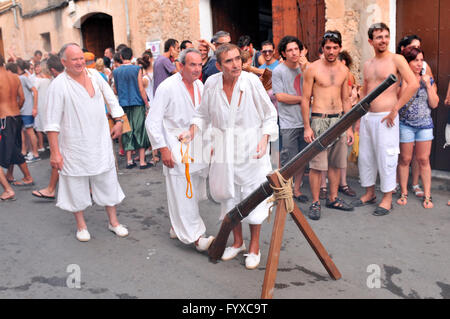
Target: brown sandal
403	200
427	202
347	190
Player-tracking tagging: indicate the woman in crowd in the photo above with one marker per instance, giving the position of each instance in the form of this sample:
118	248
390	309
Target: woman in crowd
146	63
409	41
416	128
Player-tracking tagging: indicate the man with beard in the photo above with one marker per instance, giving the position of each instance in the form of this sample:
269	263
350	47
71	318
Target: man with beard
379	128
327	80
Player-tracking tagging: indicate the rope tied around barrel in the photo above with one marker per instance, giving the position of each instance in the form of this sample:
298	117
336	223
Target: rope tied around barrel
282	193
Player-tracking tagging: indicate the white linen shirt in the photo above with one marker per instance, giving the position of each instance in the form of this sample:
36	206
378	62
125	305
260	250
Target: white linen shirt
84	135
254	116
170	115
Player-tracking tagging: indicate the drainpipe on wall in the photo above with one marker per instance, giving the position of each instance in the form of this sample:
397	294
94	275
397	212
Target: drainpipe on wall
128	23
15	13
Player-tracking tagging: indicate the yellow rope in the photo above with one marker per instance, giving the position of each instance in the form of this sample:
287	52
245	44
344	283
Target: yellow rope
185	159
282	193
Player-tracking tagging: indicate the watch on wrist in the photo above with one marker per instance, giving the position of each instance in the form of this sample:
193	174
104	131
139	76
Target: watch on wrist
118	120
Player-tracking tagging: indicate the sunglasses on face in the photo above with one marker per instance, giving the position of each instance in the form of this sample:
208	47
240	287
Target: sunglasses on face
267	51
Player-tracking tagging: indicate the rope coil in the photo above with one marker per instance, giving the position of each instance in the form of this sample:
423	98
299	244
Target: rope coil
284	192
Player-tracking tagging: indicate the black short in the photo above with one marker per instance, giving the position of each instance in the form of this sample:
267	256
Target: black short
11	141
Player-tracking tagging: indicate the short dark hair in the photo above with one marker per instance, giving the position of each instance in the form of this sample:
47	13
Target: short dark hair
345	56
268	42
117	58
23	65
120	47
376	27
411	53
333	36
183	44
169	43
54	62
405	41
285	41
12	67
106	61
2	60
225	48
126	53
37	52
244	40
111	50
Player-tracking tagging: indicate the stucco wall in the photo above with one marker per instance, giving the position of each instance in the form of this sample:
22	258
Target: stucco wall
353	18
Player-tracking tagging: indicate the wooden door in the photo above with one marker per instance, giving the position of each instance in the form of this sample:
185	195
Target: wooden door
304	19
238	18
429	20
98	33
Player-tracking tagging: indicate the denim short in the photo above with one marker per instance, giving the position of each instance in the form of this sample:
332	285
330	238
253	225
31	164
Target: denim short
409	134
28	121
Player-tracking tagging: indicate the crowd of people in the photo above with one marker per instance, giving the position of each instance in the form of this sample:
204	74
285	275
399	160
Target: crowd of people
221	104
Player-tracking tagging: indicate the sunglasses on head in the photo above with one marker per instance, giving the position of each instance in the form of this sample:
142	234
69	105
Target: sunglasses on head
331	35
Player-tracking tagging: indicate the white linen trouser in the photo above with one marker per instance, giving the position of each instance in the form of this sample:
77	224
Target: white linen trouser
183	212
257	216
378	151
74	191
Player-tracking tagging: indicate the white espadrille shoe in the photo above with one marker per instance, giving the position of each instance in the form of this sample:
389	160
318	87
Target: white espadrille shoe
83	235
231	252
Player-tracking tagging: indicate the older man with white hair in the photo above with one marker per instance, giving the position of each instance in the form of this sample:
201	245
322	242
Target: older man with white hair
80	140
176	100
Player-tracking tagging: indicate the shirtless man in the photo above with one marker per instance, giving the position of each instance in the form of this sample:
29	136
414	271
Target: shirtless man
11	100
327	80
379	128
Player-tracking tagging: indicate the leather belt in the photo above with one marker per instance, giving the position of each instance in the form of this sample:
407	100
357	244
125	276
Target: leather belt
323	115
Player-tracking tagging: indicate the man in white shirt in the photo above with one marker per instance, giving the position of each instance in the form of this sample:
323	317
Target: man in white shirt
176	100
80	140
244	121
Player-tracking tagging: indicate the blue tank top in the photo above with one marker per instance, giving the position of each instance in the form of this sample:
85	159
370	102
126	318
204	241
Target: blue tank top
417	113
126	82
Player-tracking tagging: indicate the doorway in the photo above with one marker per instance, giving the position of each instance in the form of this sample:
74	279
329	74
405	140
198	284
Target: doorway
253	18
97	32
429	20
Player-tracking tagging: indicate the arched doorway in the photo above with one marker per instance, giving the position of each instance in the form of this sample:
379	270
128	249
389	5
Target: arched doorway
97	32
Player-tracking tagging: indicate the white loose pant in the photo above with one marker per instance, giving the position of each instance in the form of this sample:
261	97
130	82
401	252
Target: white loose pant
183	212
378	151
74	192
257	216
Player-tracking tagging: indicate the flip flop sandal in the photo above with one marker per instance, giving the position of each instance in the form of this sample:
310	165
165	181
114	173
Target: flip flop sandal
9	199
40	195
380	211
339	204
360	203
403	200
427	201
22	184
